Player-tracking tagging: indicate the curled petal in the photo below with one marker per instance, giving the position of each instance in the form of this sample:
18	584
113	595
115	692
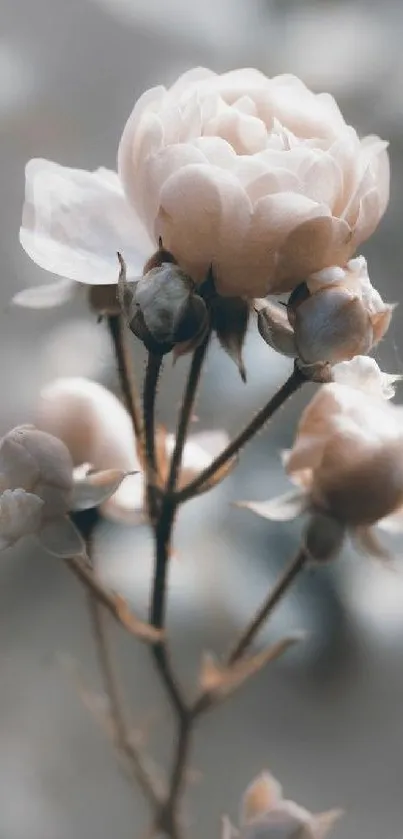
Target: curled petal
363	373
283	508
74	222
367	541
46	296
95	488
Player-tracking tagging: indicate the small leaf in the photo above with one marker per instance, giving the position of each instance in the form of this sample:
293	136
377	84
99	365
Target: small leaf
283	508
134	625
275	328
47	296
95	488
230	316
221	681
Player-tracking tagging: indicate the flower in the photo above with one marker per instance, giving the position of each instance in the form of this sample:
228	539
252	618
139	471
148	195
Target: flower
333	316
265	814
97	429
38	489
259	178
347	462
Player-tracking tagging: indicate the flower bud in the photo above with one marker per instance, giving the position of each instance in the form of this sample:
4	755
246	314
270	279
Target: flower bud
331	325
163	309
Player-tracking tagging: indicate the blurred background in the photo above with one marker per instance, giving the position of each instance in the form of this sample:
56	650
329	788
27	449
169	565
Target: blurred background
328	719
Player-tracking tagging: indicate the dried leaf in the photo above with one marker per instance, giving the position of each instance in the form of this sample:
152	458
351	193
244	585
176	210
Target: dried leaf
133	624
221	681
322	823
230	317
260	796
283	508
275	328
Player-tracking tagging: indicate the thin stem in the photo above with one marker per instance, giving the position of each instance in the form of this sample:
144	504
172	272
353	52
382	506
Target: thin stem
186	413
153	370
292	384
267	607
204	701
117	331
157	615
115	700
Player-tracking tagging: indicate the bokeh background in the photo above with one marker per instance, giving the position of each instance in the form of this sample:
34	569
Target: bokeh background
328	719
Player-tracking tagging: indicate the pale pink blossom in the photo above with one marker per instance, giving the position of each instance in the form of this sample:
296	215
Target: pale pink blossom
347	464
97	429
38	489
259	178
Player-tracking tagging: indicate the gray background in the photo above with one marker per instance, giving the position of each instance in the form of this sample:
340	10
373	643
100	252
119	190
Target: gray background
328	720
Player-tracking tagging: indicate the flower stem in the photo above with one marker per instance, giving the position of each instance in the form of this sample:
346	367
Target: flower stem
117	331
293	383
186	413
267	607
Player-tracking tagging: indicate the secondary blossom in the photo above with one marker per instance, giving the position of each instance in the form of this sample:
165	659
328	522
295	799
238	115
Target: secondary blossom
258	178
347	462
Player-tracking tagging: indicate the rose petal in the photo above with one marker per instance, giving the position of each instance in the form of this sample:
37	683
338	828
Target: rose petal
95	488
46	296
283	508
74	222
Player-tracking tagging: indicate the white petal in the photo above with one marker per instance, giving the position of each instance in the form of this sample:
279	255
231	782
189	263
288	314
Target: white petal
91	421
74	222
367	541
60	538
127	503
263	793
283	508
363	373
392	523
95	488
46	296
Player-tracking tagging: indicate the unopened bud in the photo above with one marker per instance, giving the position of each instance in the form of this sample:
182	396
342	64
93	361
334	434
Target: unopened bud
163	309
331	325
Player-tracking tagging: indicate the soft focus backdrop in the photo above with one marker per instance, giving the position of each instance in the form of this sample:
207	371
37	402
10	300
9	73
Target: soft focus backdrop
327	720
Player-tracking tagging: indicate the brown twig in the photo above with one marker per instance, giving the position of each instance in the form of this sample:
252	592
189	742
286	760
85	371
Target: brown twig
114	604
121	730
292	384
267	607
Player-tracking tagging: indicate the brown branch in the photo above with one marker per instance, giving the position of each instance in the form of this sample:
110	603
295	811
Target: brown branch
114	604
267	607
186	413
292	384
121	731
